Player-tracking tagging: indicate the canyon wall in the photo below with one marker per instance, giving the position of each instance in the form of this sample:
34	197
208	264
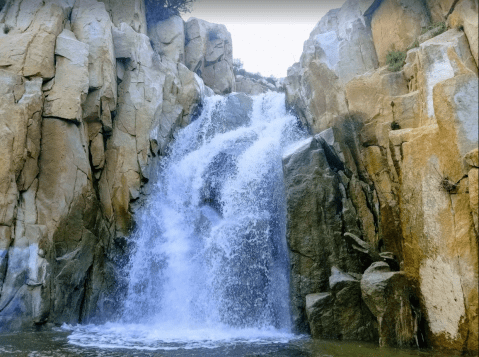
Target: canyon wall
381	200
402	157
90	97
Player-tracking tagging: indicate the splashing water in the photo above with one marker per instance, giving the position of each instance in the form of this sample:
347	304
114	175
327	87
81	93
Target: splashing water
211	262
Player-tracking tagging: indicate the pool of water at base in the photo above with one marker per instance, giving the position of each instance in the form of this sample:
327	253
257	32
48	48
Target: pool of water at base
54	343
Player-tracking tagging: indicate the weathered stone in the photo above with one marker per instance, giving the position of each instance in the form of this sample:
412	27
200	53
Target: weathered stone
130	12
339	48
26	288
18	122
436	60
473	195
92	25
97	150
465	15
209	53
64	170
190	93
253	86
456	109
472	158
140	96
439	9
70	87
28	48
319	210
437	221
319	312
395	24
168	38
342	41
340	314
386	294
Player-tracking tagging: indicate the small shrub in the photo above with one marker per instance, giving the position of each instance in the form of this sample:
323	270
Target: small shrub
413	45
237	63
395	125
438	27
159	10
395	60
448	185
6	29
272	80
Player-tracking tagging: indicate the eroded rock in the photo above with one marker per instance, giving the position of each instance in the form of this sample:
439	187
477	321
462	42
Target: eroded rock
386	294
168	38
209	53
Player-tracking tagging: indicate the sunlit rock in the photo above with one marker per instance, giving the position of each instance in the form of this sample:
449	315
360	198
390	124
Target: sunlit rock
70	86
395	25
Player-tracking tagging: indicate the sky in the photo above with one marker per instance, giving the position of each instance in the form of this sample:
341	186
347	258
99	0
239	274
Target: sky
268	35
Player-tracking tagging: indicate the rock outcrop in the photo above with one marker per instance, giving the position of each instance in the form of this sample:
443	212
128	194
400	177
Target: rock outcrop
413	136
340	313
324	196
253	86
86	106
387	295
339	48
209	53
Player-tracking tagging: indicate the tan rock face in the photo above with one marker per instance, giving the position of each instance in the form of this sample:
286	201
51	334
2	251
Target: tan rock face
28	48
436	60
70	85
253	86
439	9
396	24
70	145
416	132
154	99
168	38
92	25
131	12
339	48
465	15
209	53
473	195
20	107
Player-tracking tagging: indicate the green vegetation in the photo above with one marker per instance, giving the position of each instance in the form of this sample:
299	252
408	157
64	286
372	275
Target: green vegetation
395	60
238	70
395	125
438	27
414	45
159	10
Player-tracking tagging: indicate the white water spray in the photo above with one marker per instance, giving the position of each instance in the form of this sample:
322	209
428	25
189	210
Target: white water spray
211	262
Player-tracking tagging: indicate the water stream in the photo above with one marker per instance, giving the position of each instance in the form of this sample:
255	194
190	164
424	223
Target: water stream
210	265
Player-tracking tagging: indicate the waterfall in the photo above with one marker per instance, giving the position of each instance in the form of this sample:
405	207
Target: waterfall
210	261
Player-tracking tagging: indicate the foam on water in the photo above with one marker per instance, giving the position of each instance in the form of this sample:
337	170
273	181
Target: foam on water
210	265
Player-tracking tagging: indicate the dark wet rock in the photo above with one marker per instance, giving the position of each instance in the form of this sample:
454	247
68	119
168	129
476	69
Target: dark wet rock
386	293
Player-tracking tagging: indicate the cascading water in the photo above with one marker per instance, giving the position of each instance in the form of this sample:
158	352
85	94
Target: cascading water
211	262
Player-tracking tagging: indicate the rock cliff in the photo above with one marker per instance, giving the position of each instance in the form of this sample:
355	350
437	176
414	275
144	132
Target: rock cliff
382	199
91	95
405	148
